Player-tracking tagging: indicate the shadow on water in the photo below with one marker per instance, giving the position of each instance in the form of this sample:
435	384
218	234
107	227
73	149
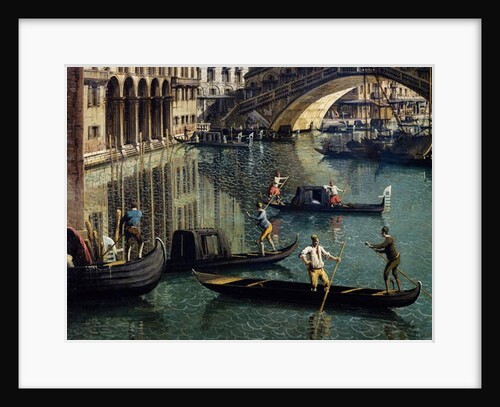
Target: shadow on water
317	325
111	304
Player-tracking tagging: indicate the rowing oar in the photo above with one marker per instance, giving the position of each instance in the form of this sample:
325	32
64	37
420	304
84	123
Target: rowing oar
331	279
401	271
110	247
343	192
273	195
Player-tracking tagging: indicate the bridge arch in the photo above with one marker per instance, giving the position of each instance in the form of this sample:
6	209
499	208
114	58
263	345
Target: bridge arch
303	102
309	109
312	106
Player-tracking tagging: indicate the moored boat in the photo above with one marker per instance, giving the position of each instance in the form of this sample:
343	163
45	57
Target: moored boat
206	249
337	153
300	293
120	278
217	139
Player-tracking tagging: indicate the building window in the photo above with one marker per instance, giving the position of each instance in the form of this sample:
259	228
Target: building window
237	76
94	132
210	74
94	96
213	91
193	118
225	74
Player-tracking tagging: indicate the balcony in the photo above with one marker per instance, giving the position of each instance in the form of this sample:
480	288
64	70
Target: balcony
98	75
177	81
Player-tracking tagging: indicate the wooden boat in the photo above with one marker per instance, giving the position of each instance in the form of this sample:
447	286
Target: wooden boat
216	139
209	248
118	279
335	153
300	293
316	199
277	137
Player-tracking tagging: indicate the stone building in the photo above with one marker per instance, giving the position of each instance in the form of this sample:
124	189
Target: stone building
220	89
378	100
126	105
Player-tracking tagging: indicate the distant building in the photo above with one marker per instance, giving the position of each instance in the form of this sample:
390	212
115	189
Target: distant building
378	100
220	89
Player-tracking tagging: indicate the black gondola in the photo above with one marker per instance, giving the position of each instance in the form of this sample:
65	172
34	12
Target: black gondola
217	139
316	199
209	249
300	293
335	153
118	279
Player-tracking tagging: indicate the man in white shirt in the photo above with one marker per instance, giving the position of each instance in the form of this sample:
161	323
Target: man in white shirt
312	256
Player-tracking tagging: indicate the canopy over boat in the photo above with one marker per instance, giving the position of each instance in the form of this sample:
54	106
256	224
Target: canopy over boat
209	248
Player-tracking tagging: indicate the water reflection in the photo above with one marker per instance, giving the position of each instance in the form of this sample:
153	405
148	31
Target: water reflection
186	187
319	324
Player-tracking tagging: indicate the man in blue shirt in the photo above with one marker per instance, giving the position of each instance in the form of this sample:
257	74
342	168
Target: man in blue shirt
131	221
266	227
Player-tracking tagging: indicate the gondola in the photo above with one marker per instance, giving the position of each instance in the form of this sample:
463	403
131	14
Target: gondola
118	279
220	144
217	139
300	293
206	249
335	153
316	199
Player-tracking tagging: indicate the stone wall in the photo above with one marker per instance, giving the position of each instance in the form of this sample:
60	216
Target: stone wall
75	171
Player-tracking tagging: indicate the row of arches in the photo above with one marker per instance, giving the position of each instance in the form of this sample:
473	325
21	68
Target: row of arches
136	108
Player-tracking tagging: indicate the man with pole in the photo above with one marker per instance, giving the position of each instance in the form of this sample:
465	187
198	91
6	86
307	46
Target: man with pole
388	246
312	256
274	190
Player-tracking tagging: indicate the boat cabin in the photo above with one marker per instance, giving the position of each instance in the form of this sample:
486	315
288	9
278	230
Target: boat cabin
285	130
199	244
311	195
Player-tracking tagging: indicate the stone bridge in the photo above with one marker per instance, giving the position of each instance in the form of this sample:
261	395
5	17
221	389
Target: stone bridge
306	100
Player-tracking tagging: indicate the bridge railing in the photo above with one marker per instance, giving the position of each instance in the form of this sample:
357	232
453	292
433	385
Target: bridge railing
405	78
291	88
324	75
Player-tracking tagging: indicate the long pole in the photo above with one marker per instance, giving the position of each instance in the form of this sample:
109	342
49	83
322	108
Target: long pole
331	279
401	271
110	247
343	192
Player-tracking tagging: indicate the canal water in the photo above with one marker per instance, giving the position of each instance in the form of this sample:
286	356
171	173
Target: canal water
195	186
